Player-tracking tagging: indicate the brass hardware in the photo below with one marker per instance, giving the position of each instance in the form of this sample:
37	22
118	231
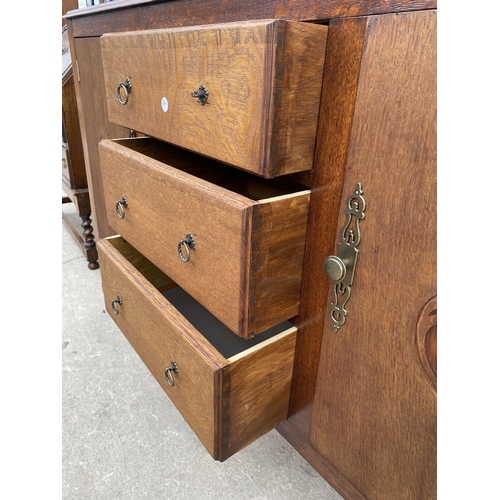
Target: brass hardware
201	94
120	207
168	373
127	89
115	303
340	269
187	243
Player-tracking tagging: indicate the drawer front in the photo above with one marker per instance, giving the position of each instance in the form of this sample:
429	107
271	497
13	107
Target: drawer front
246	262
263	81
227	402
159	335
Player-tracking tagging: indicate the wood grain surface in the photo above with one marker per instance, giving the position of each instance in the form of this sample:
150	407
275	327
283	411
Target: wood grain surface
227	402
231	266
159	335
345	439
72	137
263	79
131	15
94	123
276	260
343	59
256	391
374	414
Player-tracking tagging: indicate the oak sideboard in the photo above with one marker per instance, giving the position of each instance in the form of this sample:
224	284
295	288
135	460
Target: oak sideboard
262	178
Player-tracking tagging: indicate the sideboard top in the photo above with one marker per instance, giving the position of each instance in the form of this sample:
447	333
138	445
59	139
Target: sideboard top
131	15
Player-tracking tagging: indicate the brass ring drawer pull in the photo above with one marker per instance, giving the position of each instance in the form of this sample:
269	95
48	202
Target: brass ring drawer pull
120	207
168	373
184	246
127	88
115	303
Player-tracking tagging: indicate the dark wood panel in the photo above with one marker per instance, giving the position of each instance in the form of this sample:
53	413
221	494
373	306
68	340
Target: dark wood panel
71	130
113	18
374	415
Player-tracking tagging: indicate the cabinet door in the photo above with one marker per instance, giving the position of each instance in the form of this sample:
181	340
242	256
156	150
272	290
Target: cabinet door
374	411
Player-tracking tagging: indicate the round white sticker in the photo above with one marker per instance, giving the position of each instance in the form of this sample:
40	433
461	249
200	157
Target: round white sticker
164	104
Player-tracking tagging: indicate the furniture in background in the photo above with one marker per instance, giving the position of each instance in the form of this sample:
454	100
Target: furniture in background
68	5
351	379
74	177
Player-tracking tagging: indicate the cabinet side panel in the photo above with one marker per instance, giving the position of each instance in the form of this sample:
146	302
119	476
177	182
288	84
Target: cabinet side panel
71	124
94	124
374	415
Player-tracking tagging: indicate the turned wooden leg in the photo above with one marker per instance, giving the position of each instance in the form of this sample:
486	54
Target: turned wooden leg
82	204
89	248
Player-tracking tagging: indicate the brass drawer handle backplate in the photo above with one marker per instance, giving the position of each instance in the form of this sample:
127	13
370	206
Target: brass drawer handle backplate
184	246
120	207
115	303
340	269
201	94
168	373
126	86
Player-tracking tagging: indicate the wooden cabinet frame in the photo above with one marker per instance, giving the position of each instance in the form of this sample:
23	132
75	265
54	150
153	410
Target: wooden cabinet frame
360	109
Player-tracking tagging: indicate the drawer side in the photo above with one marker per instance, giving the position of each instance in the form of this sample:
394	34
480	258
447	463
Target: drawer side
277	255
298	75
256	391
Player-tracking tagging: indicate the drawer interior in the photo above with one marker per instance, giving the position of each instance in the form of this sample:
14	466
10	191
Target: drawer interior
220	174
222	338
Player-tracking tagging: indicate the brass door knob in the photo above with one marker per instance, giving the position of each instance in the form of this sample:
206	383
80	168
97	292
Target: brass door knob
334	268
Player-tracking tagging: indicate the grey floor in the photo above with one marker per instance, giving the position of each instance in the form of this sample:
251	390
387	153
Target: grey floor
124	439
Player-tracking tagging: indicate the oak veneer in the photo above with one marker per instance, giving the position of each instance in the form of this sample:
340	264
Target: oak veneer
375	403
345	57
246	265
264	83
227	401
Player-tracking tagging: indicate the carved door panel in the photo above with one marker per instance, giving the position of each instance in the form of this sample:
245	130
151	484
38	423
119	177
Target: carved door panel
374	410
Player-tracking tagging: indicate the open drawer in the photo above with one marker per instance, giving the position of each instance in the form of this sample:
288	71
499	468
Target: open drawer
234	241
245	93
230	390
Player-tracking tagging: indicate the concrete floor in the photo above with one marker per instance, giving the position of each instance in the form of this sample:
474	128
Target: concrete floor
123	438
